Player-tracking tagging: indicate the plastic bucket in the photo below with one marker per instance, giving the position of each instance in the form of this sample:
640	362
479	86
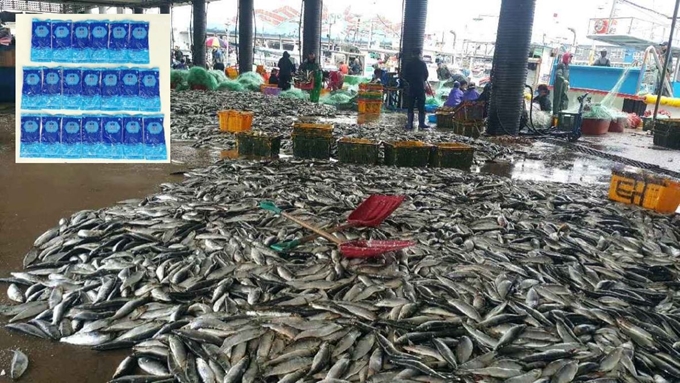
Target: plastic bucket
594	127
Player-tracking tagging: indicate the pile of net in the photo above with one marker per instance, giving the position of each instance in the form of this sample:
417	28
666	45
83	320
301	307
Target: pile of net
251	81
295	93
355	80
231	85
219	75
178	79
337	98
199	77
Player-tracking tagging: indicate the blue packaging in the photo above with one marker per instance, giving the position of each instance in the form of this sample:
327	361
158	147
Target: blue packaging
81	42
154	138
71	136
99	32
51	88
129	88
112	136
30	136
92	89
111	89
92	146
61	40
133	137
72	88
119	40
41	40
31	90
50	136
139	42
149	90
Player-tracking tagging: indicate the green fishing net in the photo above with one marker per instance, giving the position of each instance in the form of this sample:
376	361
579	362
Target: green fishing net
295	93
200	76
231	85
251	81
219	75
355	80
336	98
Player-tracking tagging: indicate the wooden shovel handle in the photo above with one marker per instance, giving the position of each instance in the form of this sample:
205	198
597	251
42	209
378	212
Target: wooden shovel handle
315	229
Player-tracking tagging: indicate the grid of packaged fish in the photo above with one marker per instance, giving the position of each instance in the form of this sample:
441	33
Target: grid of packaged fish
111	89
90	41
510	281
96	136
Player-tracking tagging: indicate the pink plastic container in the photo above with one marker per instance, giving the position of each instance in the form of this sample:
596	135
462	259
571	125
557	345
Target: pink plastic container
271	91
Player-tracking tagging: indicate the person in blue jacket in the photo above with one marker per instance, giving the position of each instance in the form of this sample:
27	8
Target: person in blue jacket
455	96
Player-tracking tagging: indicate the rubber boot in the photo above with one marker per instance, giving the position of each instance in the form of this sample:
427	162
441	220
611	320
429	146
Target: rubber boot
409	125
421	121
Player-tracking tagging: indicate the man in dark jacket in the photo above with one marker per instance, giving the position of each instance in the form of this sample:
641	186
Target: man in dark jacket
543	98
286	70
415	76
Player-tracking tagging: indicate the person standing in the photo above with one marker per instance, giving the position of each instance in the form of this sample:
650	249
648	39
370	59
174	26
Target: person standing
286	71
602	60
443	73
218	60
415	75
561	97
355	69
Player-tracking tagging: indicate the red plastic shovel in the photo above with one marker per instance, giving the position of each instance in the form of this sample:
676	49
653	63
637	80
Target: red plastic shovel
350	249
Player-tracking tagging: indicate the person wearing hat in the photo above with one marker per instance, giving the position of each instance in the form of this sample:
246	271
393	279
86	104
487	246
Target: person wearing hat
455	96
561	97
602	60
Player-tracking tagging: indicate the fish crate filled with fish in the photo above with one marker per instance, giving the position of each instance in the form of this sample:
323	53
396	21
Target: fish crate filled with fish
358	151
470	111
472	129
312	147
310	129
258	144
444	118
235	121
370	87
637	187
452	155
407	153
667	133
369	106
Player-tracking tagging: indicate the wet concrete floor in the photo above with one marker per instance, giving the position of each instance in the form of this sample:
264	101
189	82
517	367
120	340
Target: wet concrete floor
33	197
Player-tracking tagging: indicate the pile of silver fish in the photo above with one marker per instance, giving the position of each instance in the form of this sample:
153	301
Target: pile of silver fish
195	119
510	281
194	114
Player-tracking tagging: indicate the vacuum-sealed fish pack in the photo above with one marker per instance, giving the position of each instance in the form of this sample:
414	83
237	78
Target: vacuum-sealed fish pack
91	89
71	136
112	136
72	88
51	88
92	146
119	39
133	137
129	89
111	89
30	136
149	90
50	136
31	88
41	40
61	40
99	31
154	138
138	51
81	42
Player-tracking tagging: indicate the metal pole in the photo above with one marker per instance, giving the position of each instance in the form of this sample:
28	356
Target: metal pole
669	58
199	19
246	12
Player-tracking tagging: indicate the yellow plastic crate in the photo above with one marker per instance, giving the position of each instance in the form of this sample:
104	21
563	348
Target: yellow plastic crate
370	107
232	73
234	121
642	189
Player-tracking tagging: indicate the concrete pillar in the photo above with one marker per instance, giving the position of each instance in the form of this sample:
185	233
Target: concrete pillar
198	53
138	11
102	10
413	29
510	60
311	29
164	9
245	36
120	10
